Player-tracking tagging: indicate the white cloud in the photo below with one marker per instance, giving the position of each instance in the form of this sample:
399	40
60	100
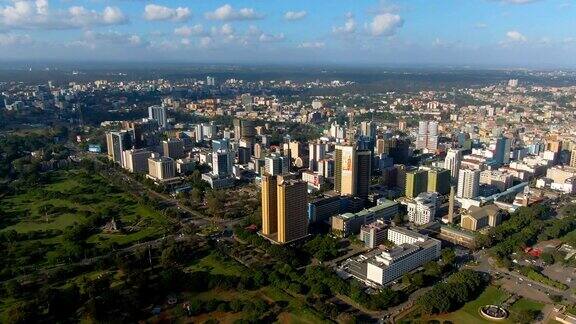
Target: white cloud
154	12
348	28
312	45
385	24
481	25
206	42
23	14
515	36
228	13
187	31
7	39
295	15
270	38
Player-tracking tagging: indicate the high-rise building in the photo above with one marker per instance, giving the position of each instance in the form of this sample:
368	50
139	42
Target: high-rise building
136	160
468	183
244	128
427	137
276	164
173	148
117	143
292	210
222	163
439	181
158	113
210	81
416	183
502	150
573	158
284	209
452	162
161	167
363	173
316	152
247	101
345	171
368	129
269	201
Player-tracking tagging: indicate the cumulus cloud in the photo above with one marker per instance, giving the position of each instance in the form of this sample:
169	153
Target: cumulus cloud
113	37
295	15
385	24
348	28
187	31
154	12
23	14
312	45
270	38
206	42
7	39
515	36
228	13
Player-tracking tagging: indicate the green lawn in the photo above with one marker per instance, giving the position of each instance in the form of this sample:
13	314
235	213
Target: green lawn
212	264
469	312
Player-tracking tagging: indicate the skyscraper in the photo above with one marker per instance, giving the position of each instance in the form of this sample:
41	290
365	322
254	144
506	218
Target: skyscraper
316	152
427	137
468	183
345	172
416	183
222	163
452	162
269	201
284	209
502	150
173	148
368	129
136	160
363	173
573	158
292	210
158	113
276	164
117	143
439	181
161	167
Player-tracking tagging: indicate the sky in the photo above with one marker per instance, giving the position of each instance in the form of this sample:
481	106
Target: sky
499	33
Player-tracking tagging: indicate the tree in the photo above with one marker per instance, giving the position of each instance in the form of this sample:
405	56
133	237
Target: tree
525	316
448	256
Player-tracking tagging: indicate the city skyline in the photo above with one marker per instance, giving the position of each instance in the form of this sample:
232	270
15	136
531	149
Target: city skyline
478	33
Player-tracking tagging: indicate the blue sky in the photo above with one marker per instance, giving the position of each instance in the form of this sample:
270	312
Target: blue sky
533	33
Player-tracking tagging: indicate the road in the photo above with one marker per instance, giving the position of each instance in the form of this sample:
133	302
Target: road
523	285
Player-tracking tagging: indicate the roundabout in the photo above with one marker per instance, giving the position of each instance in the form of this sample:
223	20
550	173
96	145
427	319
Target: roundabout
493	312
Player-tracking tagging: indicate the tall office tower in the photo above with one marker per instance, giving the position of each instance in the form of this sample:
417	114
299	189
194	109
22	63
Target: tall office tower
368	129
136	160
316	152
247	101
573	158
452	162
451	202
269	201
161	167
244	128
326	168
292	210
468	183
143	131
210	81
439	181
432	139
173	148
553	144
258	150
158	113
210	130
400	151
221	144
502	150
117	143
401	177
380	142
199	133
402	125
345	171
363	173
295	149
222	163
416	183
276	164
337	131
422	137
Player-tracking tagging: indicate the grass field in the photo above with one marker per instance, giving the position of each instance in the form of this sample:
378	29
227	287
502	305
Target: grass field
469	312
69	198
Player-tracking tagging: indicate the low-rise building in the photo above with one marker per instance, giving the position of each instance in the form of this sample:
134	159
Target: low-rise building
479	217
350	223
373	234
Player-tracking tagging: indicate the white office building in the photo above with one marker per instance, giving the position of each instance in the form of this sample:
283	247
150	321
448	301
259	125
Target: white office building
468	183
422	209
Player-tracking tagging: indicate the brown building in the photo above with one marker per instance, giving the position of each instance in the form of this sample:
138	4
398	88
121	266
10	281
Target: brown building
479	217
269	210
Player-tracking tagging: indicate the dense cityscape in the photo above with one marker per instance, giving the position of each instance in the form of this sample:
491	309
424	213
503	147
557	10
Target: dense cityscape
288	162
211	200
